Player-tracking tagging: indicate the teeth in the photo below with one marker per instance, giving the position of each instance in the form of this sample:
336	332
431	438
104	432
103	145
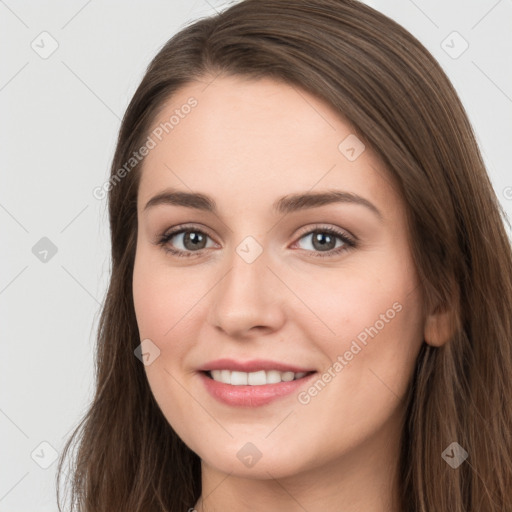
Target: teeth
287	376
273	377
256	378
239	378
259	378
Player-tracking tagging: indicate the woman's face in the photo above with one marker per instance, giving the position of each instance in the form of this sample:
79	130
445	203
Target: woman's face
270	285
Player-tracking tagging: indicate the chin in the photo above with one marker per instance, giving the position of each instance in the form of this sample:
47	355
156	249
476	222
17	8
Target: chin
258	459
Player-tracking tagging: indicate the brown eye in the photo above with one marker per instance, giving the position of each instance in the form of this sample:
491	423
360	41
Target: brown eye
325	240
189	241
193	240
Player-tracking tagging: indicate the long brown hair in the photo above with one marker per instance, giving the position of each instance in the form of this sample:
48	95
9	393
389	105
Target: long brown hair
379	77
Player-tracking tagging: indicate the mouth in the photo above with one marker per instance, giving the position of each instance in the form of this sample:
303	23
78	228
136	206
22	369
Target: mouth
258	378
252	384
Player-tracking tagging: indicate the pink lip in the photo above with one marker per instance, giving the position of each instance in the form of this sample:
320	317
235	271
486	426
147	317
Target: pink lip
251	366
250	396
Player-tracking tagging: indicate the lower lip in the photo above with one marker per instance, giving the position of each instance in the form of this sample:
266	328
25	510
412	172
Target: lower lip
251	396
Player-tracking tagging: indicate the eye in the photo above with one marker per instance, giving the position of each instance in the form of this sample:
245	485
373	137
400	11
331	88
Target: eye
192	239
323	241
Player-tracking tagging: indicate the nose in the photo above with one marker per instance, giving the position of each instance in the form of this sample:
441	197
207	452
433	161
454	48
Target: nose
248	301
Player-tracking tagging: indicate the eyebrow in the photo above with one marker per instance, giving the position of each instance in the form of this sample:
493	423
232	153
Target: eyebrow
284	205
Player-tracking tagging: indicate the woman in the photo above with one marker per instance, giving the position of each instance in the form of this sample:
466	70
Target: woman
311	267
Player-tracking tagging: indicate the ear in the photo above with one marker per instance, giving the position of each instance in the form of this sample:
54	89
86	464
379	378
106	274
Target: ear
439	327
443	322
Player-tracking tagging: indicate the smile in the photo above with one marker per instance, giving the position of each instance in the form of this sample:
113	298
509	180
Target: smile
252	383
259	378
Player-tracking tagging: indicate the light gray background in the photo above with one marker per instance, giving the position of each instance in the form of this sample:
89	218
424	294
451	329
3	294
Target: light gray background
60	117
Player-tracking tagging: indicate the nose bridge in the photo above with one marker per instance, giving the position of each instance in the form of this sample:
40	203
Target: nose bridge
248	273
246	295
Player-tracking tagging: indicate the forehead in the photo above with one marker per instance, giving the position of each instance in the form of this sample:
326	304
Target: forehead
272	114
256	138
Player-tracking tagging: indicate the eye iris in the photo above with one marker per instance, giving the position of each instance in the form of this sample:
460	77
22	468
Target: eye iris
195	239
320	237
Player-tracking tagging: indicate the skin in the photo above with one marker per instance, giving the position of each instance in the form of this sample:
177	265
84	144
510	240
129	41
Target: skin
246	144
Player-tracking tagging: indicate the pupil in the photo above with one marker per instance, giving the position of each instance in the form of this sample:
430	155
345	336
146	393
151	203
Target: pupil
195	238
319	238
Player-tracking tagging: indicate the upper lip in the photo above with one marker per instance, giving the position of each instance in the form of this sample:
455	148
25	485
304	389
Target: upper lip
253	365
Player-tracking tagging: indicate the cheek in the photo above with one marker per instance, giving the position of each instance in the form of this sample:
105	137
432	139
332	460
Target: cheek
339	304
161	302
163	297
369	363
370	315
382	346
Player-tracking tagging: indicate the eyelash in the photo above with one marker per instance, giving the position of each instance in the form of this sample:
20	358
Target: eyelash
349	243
